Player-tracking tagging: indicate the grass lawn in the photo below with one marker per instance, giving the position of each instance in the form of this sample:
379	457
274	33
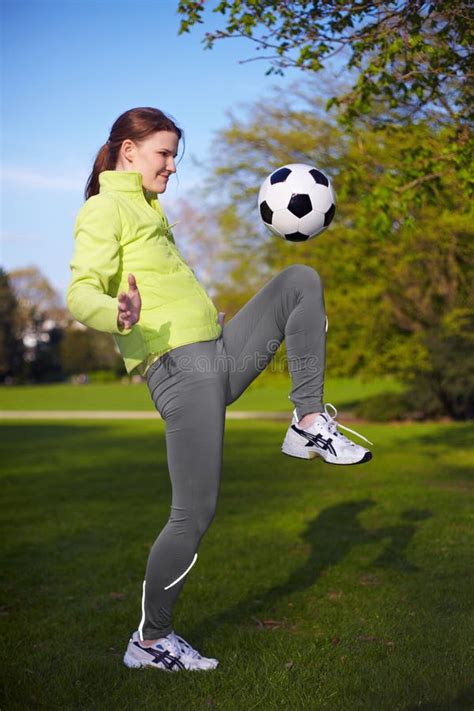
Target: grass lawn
317	587
265	393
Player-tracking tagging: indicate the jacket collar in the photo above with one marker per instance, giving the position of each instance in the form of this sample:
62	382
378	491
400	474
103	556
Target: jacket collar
129	181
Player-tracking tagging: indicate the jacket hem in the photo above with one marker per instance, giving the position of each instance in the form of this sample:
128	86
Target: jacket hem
132	362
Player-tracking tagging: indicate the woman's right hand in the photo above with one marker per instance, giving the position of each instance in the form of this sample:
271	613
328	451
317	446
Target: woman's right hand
129	305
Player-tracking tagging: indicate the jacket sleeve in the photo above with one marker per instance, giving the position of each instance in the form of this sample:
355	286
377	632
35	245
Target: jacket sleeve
96	260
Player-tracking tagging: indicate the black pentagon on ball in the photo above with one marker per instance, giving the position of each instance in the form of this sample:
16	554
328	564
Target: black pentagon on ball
329	215
296	237
319	177
280	175
300	205
266	213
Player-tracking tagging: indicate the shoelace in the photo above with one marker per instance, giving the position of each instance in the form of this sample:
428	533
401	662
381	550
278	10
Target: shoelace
183	646
332	424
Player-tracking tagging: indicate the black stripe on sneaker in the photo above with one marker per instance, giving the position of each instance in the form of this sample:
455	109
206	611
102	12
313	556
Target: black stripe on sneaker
165	657
316	440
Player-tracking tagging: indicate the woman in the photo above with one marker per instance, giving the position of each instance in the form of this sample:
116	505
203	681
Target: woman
129	279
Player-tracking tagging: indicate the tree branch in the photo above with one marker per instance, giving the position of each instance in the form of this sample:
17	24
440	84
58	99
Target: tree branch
418	181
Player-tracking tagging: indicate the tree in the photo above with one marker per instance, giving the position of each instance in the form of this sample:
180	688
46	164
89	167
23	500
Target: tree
402	262
412	55
84	350
37	299
198	239
40	320
410	61
11	348
390	281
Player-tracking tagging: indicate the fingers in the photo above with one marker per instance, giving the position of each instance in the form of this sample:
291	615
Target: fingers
125	320
123	307
129	304
132	286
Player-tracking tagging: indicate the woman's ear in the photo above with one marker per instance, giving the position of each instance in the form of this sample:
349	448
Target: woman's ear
128	150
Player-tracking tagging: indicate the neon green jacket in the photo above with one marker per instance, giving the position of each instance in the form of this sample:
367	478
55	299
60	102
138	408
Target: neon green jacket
120	231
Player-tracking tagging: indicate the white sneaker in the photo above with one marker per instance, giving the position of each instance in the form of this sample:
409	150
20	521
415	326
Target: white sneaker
170	653
322	439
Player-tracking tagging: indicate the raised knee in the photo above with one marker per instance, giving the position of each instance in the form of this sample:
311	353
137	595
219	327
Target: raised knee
301	274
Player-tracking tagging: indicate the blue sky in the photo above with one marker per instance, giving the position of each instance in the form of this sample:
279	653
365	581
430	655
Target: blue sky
70	68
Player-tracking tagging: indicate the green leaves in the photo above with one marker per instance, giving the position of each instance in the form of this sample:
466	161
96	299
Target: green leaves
411	57
397	142
192	12
398	257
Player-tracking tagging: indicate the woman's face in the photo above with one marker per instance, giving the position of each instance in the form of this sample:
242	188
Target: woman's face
153	158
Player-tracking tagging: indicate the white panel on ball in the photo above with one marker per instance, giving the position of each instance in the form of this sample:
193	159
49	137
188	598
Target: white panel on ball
321	198
285	222
272	229
300	178
312	224
277	196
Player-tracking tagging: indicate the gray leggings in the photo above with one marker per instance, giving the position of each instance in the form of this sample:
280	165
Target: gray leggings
191	386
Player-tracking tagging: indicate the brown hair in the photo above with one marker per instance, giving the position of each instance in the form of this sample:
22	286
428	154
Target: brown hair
135	124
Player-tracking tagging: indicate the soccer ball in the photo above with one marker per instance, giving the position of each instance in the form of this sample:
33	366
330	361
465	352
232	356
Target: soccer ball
297	202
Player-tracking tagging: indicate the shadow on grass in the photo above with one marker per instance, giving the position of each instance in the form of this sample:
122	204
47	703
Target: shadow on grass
330	538
459	436
464	701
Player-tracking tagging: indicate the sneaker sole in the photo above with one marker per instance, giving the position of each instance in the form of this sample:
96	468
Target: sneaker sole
367	457
133	663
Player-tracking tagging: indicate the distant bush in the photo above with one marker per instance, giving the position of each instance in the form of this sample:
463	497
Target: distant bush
89	350
446	387
102	376
384	407
443	388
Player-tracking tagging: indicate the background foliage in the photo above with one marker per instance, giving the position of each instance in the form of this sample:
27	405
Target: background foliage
396	138
396	263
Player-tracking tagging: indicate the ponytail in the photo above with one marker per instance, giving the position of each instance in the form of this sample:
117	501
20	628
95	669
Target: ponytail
105	160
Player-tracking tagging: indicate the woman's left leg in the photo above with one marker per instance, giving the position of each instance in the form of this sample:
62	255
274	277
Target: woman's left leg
289	307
